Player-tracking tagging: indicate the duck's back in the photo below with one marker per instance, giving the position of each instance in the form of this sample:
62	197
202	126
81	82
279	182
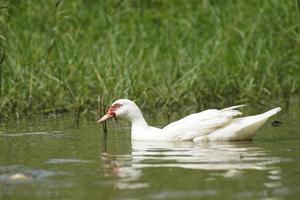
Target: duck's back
200	124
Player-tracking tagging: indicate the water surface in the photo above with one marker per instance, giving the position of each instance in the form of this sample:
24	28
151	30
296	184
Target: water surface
53	159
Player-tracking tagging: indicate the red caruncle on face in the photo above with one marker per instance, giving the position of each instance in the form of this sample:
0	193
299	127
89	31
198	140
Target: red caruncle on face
113	108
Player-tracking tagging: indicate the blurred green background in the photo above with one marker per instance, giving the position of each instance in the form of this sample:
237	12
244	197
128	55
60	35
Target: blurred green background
58	56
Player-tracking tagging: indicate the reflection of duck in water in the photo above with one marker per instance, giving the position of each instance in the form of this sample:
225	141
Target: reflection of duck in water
209	125
217	156
226	159
120	167
112	164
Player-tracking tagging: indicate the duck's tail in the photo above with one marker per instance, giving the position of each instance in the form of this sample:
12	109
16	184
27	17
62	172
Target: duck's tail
240	129
272	112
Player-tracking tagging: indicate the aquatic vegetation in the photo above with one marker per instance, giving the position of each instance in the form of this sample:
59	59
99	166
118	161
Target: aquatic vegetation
61	55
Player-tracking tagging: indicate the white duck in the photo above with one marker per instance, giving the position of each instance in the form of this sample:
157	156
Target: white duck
208	125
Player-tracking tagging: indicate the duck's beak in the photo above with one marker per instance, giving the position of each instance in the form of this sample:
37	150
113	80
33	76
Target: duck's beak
105	117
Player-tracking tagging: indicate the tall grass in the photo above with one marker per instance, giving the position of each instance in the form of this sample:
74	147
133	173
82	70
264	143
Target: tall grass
61	55
3	16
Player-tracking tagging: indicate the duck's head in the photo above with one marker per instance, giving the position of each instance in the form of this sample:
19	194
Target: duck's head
122	108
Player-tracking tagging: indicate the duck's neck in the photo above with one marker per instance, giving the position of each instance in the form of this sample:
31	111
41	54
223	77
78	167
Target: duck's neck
137	120
139	123
139	127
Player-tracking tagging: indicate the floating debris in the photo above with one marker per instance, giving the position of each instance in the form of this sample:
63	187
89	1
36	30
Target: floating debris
20	177
276	123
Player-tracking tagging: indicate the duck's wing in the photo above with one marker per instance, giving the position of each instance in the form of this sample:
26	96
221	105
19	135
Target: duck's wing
201	123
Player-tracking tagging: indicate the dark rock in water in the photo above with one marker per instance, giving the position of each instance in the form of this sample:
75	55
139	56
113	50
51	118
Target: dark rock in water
276	123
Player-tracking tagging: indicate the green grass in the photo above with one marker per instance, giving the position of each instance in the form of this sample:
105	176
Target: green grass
164	54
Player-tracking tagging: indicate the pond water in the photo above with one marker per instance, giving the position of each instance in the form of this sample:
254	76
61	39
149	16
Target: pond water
53	159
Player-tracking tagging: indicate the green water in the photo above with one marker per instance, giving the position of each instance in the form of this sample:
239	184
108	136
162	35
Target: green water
53	159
